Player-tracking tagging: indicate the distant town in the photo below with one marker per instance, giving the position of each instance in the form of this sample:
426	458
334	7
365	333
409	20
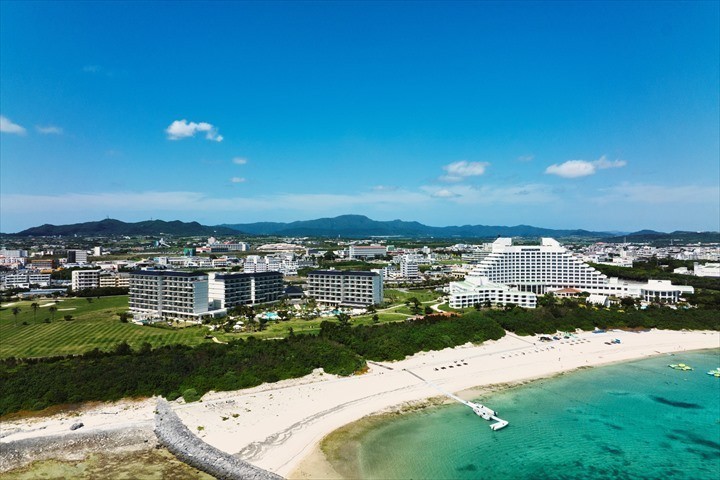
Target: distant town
218	281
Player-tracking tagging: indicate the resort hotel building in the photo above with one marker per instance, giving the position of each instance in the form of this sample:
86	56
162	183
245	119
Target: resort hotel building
548	267
227	290
166	294
156	294
343	287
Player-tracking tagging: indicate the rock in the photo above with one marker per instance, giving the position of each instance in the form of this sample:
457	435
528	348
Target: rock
77	425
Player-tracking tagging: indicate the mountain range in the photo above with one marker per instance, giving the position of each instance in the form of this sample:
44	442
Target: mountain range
110	227
351	226
355	226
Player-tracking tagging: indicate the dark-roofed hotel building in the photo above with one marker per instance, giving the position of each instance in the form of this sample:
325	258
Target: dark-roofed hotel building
228	290
351	288
165	294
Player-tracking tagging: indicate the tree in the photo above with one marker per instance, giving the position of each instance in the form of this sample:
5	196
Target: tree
52	311
123	317
343	318
375	318
477	306
428	310
68	318
415	304
371	308
263	323
15	312
284	315
35	307
89	300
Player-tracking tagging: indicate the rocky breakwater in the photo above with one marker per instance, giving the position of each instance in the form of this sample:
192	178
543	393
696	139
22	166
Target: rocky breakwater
186	446
73	445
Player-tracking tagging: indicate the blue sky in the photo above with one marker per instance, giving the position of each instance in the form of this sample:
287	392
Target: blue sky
603	116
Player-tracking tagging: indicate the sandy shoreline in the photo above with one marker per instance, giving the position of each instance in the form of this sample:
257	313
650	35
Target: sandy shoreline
279	426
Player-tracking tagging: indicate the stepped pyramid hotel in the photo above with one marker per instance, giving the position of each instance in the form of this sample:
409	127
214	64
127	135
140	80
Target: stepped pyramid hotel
517	274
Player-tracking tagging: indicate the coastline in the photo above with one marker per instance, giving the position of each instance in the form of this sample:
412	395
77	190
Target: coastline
279	427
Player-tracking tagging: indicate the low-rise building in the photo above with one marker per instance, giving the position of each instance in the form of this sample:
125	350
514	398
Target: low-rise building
476	289
116	280
367	251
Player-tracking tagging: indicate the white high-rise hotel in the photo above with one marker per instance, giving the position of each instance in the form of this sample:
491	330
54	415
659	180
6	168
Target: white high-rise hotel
538	269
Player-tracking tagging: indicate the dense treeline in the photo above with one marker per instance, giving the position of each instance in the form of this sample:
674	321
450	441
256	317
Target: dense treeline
564	318
33	384
395	341
644	271
167	371
102	292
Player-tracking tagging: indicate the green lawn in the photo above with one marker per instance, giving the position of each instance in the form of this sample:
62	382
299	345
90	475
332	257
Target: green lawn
97	325
398	296
94	325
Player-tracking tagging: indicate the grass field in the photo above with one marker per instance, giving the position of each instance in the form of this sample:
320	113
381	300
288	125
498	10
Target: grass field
398	296
94	325
97	325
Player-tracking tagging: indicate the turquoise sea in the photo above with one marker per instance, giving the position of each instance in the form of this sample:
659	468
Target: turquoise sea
633	420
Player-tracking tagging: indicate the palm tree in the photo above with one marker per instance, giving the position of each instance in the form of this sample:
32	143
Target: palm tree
15	312
35	307
52	311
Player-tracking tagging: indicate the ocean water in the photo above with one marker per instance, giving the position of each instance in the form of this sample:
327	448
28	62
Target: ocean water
633	420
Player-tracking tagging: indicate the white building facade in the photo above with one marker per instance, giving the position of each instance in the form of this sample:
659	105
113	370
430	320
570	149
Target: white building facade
351	288
476	289
362	252
228	290
82	279
169	294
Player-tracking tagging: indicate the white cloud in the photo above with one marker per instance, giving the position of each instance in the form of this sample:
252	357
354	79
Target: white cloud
237	180
603	163
583	168
7	126
239	161
155	203
49	130
384	188
571	169
183	129
444	193
528	194
457	171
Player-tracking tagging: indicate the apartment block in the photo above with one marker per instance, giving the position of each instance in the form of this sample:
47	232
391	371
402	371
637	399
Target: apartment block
351	288
77	256
117	280
82	279
366	251
25	280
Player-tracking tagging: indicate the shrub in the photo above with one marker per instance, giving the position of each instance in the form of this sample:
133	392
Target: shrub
191	395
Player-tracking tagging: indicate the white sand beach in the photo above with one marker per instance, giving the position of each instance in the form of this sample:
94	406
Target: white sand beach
278	426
